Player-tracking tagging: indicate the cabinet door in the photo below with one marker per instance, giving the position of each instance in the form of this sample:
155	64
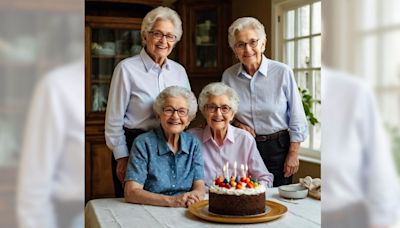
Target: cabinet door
205	38
99	181
204	49
106	45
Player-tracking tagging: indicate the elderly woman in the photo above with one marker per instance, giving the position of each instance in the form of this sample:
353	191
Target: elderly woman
271	108
221	142
135	84
165	166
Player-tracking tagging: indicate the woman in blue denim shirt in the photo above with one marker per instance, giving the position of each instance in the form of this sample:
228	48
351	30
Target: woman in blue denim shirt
165	166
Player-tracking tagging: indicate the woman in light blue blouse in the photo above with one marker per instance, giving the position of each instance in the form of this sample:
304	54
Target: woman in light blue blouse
270	108
165	166
135	84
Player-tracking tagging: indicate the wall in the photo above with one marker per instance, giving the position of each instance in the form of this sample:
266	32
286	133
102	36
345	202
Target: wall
260	9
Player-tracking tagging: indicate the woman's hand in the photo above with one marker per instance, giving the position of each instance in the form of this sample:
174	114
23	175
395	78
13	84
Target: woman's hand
180	200
194	197
122	163
197	193
292	159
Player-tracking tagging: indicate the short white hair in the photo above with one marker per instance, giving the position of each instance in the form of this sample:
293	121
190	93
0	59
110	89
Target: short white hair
218	89
162	13
176	91
243	23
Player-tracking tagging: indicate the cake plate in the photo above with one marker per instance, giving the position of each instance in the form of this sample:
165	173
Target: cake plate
200	209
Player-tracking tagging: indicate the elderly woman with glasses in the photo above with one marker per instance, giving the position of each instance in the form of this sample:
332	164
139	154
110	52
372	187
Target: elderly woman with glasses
165	166
271	108
135	84
221	142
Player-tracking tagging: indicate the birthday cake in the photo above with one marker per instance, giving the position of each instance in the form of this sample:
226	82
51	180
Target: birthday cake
236	196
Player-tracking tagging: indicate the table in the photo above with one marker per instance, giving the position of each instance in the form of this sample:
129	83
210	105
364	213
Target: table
114	212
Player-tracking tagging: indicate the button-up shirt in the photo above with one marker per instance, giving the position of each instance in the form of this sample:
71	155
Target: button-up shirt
238	146
158	169
135	84
269	100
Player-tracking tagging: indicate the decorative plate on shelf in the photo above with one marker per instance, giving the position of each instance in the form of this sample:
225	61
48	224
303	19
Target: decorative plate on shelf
276	210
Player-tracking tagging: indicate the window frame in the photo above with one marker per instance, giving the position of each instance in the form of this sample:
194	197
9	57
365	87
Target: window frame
279	8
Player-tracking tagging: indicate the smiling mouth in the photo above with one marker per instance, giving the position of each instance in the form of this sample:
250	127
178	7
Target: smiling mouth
161	47
174	123
247	56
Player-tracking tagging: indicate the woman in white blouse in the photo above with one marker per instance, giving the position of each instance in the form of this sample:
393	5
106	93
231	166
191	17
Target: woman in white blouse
271	108
135	84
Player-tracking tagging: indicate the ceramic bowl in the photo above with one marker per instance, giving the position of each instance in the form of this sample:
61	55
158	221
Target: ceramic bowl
293	191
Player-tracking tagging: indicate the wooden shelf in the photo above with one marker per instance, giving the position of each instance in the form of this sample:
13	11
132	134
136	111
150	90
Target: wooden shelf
207	45
101	81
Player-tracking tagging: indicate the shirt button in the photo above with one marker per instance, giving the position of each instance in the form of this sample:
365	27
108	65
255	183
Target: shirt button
173	185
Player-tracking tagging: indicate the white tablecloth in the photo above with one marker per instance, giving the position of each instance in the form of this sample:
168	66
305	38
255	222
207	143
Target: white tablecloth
114	212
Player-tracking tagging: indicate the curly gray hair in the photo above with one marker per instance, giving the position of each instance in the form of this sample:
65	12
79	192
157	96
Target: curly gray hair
176	91
162	13
218	89
243	23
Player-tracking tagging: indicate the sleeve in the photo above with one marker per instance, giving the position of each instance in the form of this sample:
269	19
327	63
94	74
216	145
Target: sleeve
225	77
380	176
39	158
298	125
185	79
118	100
198	164
138	161
257	167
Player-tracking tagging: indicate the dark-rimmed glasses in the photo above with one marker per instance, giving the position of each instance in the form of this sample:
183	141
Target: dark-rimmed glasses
159	35
211	108
169	111
242	45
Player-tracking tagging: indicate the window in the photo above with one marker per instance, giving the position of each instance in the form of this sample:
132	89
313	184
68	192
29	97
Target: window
379	60
297	42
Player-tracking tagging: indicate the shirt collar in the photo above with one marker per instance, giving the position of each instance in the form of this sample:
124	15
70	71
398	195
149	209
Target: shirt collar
149	62
163	147
208	136
262	70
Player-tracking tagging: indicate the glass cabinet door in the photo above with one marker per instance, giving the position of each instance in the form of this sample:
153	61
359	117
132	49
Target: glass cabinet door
206	38
108	48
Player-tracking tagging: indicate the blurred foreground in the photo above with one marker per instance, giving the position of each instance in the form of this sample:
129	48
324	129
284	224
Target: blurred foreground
42	113
360	113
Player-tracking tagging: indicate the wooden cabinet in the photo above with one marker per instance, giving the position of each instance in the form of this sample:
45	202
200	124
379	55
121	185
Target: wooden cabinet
108	41
99	182
204	49
112	33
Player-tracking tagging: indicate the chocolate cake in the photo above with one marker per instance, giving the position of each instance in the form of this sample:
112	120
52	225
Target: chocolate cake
246	197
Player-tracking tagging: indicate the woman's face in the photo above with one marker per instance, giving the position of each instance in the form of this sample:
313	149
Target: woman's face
174	117
218	113
248	47
160	47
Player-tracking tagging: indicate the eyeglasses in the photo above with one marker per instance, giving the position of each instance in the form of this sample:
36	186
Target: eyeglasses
169	111
213	108
242	45
159	35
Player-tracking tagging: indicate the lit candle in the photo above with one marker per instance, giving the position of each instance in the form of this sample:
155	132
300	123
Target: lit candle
224	171
227	171
234	167
242	169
